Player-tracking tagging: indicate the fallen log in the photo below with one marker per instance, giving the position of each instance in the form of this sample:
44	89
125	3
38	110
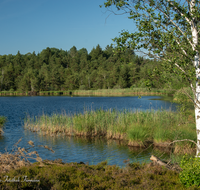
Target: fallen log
157	161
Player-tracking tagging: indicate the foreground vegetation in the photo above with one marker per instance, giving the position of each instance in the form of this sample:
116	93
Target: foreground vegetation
101	176
17	172
139	128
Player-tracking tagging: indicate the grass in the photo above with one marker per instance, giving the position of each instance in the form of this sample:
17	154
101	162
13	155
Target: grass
135	128
2	121
126	91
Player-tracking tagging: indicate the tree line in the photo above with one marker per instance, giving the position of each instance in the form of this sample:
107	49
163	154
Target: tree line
57	70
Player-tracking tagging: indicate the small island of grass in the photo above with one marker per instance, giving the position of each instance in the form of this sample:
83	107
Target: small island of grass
139	128
2	121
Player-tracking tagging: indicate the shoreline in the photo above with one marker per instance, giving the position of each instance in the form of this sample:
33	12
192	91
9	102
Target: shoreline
100	92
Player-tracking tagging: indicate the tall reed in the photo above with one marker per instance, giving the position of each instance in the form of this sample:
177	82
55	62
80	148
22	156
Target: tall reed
136	128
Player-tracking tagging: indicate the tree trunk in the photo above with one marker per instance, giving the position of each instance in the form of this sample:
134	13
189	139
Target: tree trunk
197	106
157	161
196	65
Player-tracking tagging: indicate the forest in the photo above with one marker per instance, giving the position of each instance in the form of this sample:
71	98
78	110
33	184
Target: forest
57	70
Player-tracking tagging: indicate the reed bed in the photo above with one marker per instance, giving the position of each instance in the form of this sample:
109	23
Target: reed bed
2	121
137	128
126	91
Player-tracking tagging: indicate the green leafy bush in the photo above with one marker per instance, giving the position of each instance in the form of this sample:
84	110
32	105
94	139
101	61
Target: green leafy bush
82	87
2	120
185	103
190	175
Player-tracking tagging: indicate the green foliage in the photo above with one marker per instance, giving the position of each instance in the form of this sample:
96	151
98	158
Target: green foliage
2	120
184	98
59	70
189	176
82	87
163	33
82	176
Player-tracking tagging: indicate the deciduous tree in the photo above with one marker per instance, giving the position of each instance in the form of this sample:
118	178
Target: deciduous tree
167	30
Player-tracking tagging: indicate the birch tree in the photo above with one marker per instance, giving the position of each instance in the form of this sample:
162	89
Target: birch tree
167	30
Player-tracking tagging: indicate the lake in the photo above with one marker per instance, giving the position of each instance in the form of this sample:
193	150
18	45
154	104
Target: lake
73	149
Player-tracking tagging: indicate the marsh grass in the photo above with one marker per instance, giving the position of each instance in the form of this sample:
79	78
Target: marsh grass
126	91
99	92
2	121
135	128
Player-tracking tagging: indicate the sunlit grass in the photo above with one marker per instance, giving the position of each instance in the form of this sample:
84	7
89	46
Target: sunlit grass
126	91
136	128
98	92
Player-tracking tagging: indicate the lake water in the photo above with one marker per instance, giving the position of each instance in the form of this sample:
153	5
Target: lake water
73	149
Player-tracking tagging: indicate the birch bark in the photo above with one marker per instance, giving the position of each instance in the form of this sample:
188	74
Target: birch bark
196	65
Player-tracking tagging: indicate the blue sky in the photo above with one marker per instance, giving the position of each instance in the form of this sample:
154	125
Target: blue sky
33	25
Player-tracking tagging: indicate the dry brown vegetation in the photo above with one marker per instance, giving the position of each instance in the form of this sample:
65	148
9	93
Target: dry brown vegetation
18	157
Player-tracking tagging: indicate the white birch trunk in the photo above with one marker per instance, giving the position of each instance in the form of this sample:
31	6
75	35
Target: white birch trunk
196	65
197	106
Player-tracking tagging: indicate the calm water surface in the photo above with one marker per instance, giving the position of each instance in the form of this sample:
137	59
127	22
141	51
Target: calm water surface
72	149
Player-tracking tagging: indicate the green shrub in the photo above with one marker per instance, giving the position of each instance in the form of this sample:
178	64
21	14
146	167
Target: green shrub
82	87
190	175
2	120
11	90
185	103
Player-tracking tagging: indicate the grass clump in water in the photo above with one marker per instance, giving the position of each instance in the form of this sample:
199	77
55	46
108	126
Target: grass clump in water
136	128
2	121
138	135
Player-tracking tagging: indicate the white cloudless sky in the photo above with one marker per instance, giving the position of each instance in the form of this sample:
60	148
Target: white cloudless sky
34	25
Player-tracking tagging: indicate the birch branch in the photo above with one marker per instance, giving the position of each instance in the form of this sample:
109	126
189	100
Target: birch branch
193	47
187	19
